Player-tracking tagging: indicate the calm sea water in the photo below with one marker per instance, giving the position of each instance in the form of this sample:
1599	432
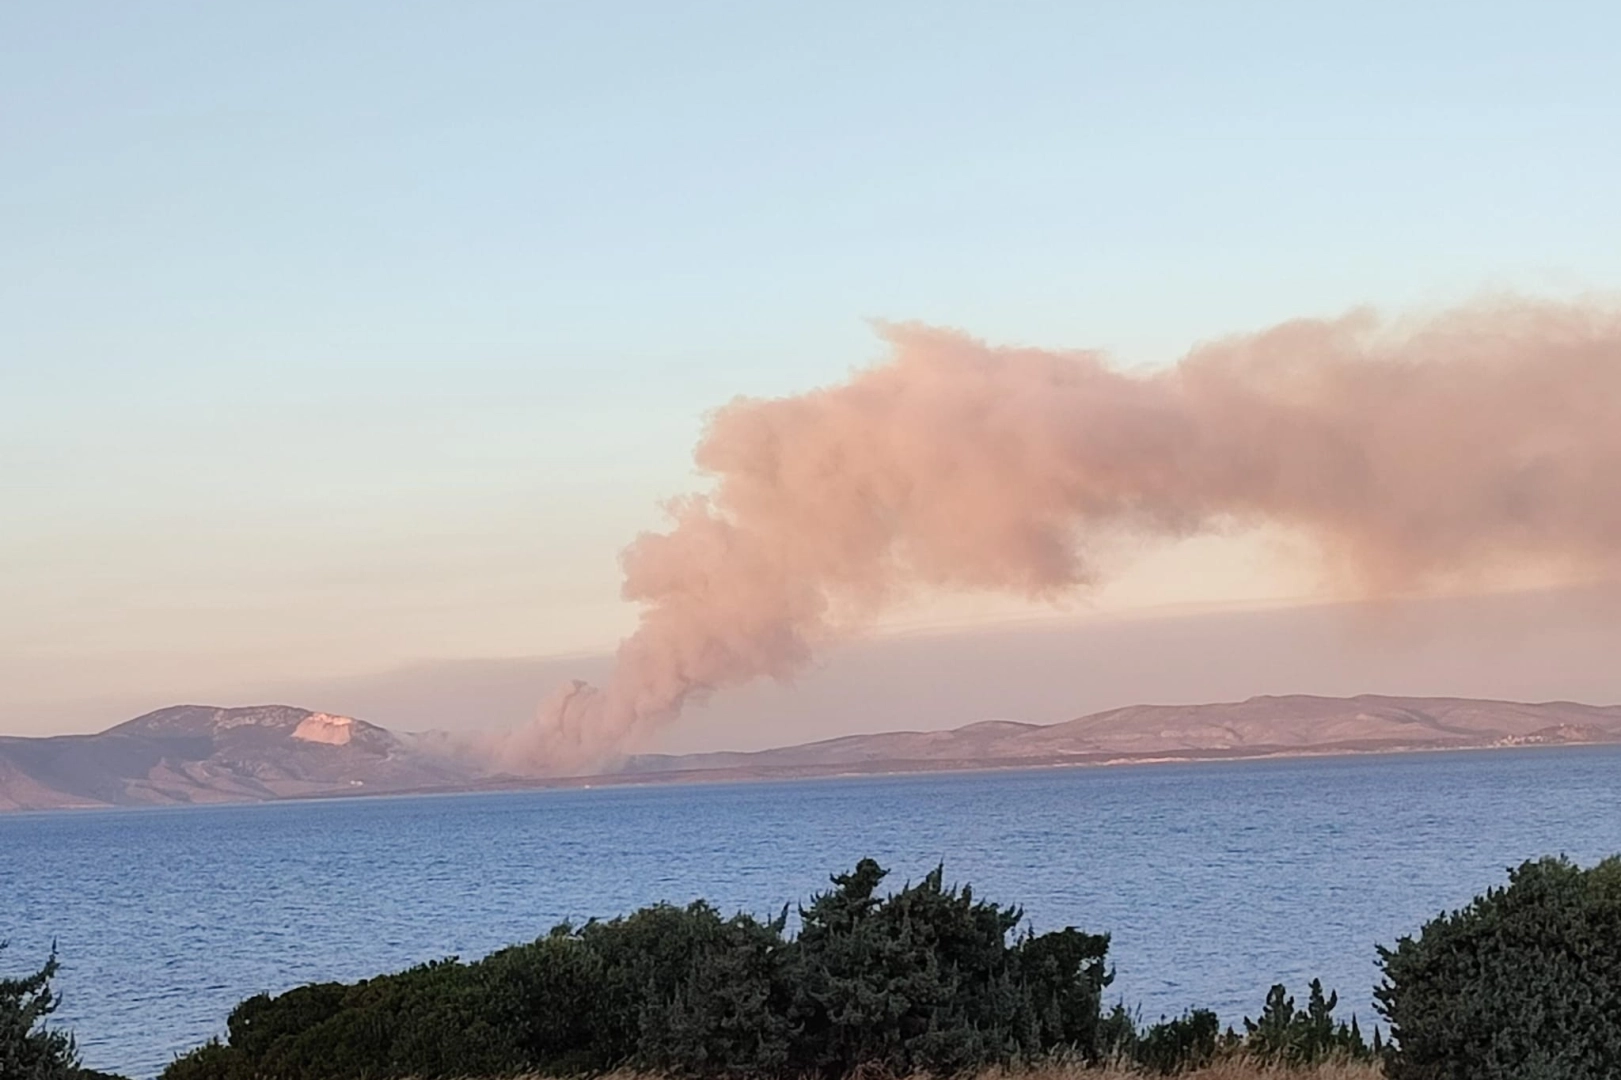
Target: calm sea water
1216	880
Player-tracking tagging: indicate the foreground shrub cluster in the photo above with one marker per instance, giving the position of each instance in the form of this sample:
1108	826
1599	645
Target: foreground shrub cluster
1283	1037
926	979
1523	984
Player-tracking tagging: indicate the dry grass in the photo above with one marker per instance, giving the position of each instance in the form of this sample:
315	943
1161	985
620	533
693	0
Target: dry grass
1231	1069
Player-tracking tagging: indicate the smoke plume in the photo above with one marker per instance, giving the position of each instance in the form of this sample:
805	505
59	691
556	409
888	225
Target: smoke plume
1408	451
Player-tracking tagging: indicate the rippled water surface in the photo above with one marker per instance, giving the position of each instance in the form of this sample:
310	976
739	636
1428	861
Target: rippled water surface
1216	880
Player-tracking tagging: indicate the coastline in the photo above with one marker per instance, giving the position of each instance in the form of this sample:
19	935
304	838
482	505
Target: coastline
857	771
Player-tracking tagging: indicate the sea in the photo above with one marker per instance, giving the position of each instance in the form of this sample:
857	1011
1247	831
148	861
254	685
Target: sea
1215	880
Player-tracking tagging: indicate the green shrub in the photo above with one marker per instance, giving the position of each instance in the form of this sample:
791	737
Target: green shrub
1065	976
1304	1037
28	1049
435	1020
643	961
924	979
548	995
729	1013
211	1061
1284	1037
1189	1041
1523	984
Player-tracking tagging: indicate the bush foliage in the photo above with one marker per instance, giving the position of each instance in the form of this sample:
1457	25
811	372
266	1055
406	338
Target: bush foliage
1189	1041
928	979
924	979
28	1049
1523	984
1283	1037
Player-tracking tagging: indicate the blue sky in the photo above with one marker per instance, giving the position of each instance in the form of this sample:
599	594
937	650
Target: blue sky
340	335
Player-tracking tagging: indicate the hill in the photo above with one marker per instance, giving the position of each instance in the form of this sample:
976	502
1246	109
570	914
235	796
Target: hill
1257	727
196	754
201	754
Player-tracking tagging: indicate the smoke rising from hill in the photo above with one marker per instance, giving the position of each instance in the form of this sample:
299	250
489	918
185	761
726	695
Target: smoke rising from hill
1408	451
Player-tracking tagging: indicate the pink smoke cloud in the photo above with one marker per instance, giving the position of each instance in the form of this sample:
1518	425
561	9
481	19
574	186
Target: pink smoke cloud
1408	451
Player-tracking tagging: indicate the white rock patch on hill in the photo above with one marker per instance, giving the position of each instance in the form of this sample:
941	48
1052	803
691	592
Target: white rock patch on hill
325	728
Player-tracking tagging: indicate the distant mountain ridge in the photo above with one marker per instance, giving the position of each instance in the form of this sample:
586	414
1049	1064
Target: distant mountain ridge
198	754
1256	727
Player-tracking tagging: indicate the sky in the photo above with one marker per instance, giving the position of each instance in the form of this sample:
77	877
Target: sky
341	339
